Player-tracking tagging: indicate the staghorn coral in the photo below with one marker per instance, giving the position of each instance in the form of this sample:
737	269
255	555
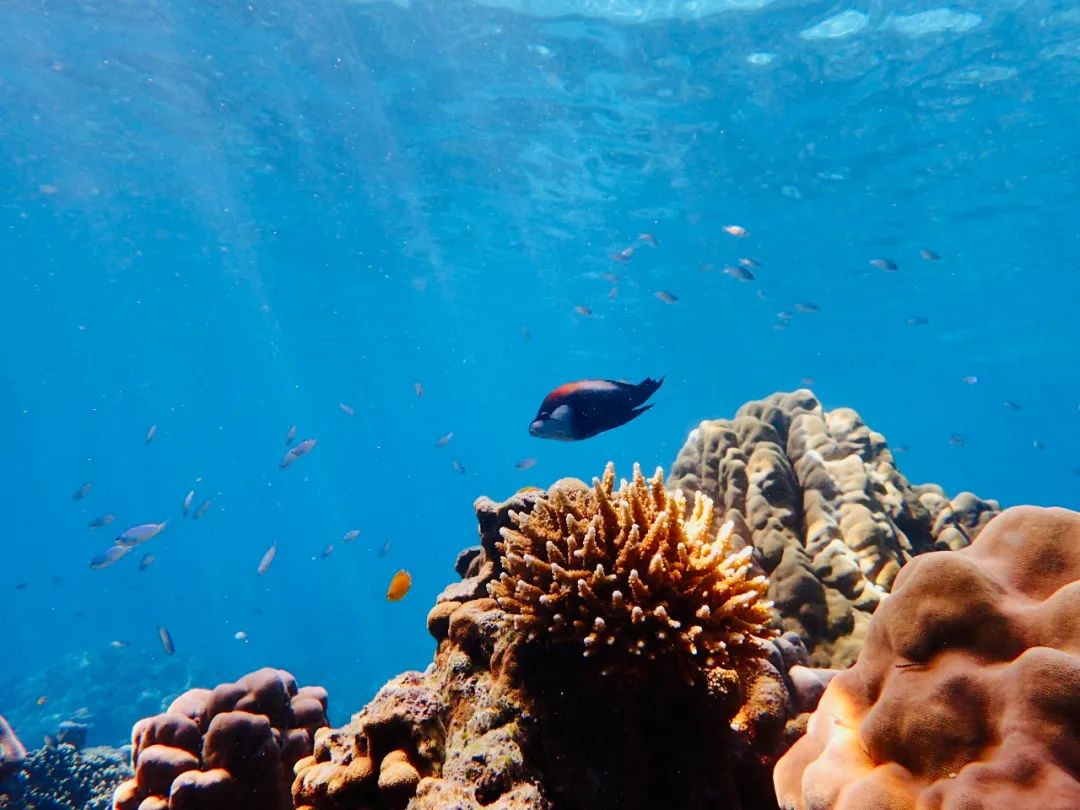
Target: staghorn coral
830	518
967	691
624	574
230	747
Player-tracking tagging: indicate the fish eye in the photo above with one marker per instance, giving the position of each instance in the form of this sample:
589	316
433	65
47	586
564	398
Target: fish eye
544	415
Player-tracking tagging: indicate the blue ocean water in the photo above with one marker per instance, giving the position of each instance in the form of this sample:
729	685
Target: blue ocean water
223	219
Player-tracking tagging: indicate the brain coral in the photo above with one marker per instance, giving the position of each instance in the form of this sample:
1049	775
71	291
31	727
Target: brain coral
622	574
831	520
967	691
226	748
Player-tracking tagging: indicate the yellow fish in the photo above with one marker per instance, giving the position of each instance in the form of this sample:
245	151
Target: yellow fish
399	585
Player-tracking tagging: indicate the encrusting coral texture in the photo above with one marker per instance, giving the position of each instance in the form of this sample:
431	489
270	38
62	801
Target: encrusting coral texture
967	691
621	575
64	778
830	518
512	715
229	748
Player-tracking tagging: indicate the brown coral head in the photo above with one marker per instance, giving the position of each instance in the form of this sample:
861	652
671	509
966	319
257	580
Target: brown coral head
632	577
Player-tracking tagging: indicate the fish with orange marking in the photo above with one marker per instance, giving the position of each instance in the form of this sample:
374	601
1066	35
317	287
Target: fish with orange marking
580	410
667	297
399	586
737	231
583	311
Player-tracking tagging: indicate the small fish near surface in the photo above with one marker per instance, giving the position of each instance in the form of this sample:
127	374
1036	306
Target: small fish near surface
204	507
293	453
166	640
118	644
648	239
399	586
111	555
137	535
807	306
347	409
667	297
187	501
444	440
267	558
525	464
918	320
580	410
737	231
102	521
929	255
888	265
326	552
738	272
146	561
419	389
583	311
350	535
459	468
82	491
957	440
971	379
622	256
240	635
151	433
290	435
384	549
1009	405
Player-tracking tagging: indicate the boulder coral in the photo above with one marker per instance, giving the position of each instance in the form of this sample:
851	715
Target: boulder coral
227	748
830	518
624	577
967	691
508	717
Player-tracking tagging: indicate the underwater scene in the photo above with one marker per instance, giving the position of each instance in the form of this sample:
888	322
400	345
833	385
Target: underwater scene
540	405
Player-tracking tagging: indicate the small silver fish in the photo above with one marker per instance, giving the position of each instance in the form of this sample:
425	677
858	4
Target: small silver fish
736	230
350	535
918	320
747	261
326	552
929	255
166	639
444	440
347	409
187	502
784	315
118	644
667	297
887	265
1038	445
622	256
114	553
293	453
957	440
458	466
267	558
151	433
82	491
204	507
648	239
971	379
103	520
384	549
901	448
525	332
290	435
1009	405
240	635
419	388
807	306
525	464
146	561
137	535
737	272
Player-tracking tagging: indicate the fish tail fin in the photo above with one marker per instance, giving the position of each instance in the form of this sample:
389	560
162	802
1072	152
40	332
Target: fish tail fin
648	387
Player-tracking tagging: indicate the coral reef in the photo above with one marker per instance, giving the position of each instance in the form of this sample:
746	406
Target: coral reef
830	518
622	576
63	778
12	751
967	691
512	716
230	747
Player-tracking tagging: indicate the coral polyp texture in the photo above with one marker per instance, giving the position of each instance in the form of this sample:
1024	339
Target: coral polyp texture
818	496
967	691
502	722
627	573
228	748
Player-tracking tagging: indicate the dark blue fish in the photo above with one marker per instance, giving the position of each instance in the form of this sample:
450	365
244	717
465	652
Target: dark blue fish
583	409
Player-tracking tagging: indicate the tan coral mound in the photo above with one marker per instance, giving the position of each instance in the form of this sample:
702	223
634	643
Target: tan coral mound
830	517
622	573
967	691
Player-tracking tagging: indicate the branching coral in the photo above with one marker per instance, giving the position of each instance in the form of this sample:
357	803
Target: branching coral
624	573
